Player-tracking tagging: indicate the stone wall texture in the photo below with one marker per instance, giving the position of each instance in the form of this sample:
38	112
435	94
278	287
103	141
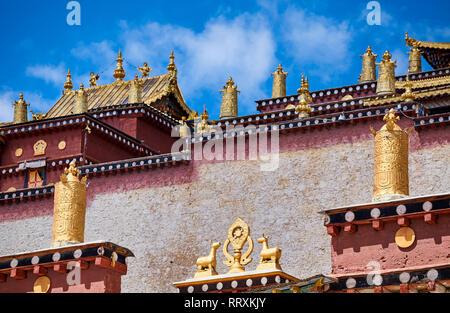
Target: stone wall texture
169	225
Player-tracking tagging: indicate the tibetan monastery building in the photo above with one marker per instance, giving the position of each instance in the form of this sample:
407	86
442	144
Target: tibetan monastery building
386	210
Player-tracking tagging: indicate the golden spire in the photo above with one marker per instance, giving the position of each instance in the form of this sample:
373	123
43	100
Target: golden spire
203	126
386	74
119	72
81	105
20	110
391	160
229	107
279	83
69	208
172	67
415	61
369	72
303	109
68	85
238	235
135	92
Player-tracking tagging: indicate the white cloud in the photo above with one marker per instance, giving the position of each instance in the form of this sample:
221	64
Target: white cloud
317	40
49	73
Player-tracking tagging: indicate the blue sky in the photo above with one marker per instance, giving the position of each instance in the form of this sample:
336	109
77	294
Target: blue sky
212	40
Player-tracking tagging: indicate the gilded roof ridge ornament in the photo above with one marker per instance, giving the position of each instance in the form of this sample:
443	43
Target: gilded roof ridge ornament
279	83
93	79
206	266
20	110
68	84
38	116
386	74
408	95
269	257
203	126
229	107
391	160
368	72
303	109
135	91
145	70
80	105
238	235
119	72
172	68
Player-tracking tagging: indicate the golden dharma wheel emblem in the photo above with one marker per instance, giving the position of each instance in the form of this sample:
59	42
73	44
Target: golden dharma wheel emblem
405	237
62	145
19	152
42	285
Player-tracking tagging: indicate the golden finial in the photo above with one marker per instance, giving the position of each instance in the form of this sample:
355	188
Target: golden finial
415	60
119	72
20	110
68	85
145	70
368	72
229	107
80	105
279	83
391	160
135	92
386	74
172	67
408	95
238	235
303	109
184	129
38	116
203	126
269	258
93	79
206	266
69	208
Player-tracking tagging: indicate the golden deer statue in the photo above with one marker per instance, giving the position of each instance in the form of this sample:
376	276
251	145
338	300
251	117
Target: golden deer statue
270	258
206	266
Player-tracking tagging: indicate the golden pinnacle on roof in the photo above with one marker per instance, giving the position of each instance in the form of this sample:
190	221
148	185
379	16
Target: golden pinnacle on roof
229	107
238	235
303	109
172	67
279	83
391	160
386	74
135	92
368	72
20	110
145	70
203	126
415	60
68	85
119	72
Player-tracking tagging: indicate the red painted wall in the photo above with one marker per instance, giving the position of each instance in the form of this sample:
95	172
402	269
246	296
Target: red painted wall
104	149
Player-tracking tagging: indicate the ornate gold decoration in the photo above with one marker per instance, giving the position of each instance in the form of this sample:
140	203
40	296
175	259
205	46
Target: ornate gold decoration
62	145
206	266
368	72
34	179
391	160
38	116
229	107
192	116
303	109
408	95
386	74
119	72
81	105
424	83
135	92
184	129
19	152
279	83
145	70
93	79
238	235
415	60
419	95
426	44
11	189
405	237
39	147
20	110
69	208
172	67
269	258
347	97
41	285
88	129
68	84
203	126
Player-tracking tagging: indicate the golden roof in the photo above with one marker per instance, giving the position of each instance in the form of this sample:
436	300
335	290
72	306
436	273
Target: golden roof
426	44
153	89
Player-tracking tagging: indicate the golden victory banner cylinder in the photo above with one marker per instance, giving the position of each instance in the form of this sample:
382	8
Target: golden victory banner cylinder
391	161
69	209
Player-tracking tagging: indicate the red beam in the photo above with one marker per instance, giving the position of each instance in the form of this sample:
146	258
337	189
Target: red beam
40	270
18	273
